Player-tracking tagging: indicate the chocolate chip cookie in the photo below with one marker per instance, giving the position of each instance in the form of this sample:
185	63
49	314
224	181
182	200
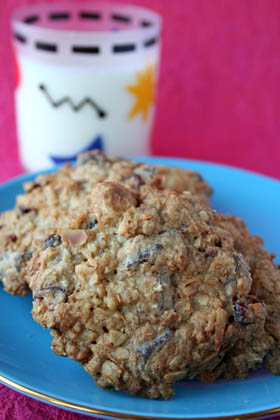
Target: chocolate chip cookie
61	199
152	292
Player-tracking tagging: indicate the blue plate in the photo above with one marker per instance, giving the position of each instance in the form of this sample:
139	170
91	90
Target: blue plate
28	365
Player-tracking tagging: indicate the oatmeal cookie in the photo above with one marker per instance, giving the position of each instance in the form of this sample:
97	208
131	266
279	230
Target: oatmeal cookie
61	199
150	294
18	234
263	346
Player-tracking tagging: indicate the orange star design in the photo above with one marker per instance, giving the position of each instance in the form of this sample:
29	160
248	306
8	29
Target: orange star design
144	92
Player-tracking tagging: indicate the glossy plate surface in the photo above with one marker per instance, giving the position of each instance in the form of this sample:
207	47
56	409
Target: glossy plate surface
28	365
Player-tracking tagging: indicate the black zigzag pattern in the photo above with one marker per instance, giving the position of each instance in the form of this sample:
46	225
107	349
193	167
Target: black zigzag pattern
75	107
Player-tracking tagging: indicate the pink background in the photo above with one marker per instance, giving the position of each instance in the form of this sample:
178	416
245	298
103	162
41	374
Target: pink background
219	91
218	100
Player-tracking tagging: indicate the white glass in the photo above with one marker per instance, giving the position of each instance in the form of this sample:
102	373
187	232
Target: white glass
86	78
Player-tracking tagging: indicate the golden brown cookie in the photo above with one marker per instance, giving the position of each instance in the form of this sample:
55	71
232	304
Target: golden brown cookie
150	294
263	346
61	199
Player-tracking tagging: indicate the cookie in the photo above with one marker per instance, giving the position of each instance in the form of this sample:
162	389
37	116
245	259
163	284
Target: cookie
150	294
18	230
61	199
263	346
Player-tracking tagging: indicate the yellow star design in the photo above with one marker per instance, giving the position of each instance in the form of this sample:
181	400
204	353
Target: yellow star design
144	92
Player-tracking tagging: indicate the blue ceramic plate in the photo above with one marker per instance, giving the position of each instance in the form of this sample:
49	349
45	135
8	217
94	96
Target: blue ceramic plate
28	365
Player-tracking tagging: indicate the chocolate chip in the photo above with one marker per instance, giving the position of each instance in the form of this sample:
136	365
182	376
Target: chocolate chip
150	171
253	299
92	224
241	310
237	261
88	224
136	180
53	241
230	319
25	210
143	255
211	253
231	279
30	186
54	288
56	329
146	172
146	350
11	238
21	259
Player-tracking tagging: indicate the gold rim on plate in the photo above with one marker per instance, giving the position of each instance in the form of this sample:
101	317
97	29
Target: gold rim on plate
83	409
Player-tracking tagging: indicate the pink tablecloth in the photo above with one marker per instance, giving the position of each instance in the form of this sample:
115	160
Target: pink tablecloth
219	94
218	100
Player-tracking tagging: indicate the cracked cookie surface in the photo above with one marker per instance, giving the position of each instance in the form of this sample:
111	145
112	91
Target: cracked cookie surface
150	294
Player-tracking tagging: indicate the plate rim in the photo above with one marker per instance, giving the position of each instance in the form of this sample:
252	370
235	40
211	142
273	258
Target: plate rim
84	409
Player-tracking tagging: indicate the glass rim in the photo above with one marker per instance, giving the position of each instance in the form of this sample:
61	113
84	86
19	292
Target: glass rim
45	30
28	17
